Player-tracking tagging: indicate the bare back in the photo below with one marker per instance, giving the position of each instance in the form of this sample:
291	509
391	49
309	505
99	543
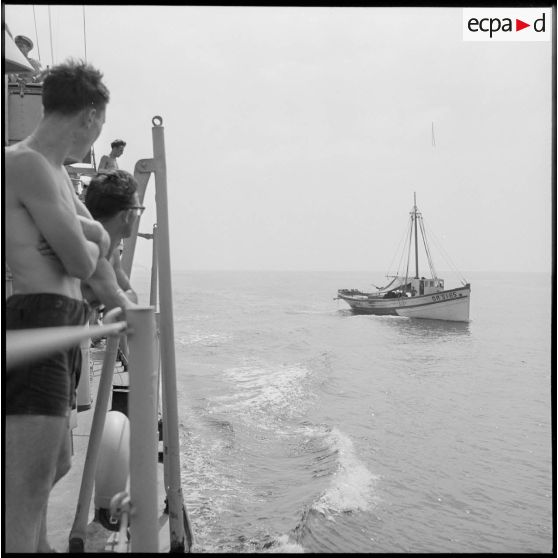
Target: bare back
39	207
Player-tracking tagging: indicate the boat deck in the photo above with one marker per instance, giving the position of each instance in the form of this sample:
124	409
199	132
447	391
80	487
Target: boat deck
64	496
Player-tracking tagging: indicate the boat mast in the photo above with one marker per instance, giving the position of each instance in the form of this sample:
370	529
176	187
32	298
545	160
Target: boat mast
416	237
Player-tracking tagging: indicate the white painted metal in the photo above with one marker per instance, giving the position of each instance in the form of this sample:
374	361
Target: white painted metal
78	532
142	410
171	442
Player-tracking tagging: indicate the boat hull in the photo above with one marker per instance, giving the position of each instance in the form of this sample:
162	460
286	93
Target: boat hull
451	305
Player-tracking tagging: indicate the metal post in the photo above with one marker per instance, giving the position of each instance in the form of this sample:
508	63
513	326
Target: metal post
154	271
153	301
170	405
143	430
79	528
142	172
9	283
161	397
83	395
416	238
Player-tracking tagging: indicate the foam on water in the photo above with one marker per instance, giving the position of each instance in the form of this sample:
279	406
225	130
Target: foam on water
284	544
351	487
204	339
264	392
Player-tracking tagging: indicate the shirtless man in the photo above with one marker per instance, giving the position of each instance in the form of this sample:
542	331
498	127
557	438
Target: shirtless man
109	162
41	208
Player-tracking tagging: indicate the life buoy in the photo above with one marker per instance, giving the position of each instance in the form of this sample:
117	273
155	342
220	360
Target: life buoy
113	466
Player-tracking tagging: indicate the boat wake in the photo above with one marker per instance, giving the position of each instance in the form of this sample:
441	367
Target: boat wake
252	442
264	395
327	519
205	340
352	484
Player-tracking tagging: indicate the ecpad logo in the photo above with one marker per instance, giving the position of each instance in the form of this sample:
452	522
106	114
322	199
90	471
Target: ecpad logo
507	24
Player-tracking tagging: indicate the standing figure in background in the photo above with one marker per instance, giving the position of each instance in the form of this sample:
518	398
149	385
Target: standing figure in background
108	162
25	44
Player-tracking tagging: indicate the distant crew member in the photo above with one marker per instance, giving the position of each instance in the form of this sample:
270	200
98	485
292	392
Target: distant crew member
25	44
108	162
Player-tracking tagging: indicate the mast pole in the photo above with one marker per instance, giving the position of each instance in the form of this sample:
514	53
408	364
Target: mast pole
416	237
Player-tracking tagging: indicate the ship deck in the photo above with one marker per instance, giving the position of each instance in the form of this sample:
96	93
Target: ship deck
64	496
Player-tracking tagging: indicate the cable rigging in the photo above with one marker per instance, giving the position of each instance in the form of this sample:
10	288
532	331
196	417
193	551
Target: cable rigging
84	34
36	34
50	31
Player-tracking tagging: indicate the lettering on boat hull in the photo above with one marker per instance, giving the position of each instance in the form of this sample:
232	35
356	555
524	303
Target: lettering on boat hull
452	305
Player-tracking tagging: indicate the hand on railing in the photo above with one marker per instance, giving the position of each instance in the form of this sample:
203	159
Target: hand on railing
114	315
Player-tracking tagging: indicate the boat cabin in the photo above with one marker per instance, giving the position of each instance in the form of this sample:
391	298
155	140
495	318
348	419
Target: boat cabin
424	286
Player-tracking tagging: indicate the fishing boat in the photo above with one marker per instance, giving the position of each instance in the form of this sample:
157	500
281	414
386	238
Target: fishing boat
413	297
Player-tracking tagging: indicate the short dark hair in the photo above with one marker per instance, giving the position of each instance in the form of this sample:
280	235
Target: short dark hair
117	143
110	192
72	86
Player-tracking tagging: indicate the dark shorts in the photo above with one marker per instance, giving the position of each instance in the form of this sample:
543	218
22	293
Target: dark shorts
45	386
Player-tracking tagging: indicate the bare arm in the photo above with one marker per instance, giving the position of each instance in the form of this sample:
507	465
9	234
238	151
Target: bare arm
81	208
94	231
105	286
123	280
103	163
53	212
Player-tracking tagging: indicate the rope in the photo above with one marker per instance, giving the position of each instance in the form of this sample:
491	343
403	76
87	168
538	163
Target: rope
36	33
50	31
446	257
427	249
399	251
409	252
84	34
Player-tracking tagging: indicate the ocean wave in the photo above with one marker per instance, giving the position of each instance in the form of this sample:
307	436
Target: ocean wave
352	485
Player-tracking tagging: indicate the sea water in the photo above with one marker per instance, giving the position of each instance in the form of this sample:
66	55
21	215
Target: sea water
305	428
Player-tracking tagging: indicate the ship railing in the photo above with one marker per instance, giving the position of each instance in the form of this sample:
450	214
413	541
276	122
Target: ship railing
151	342
25	346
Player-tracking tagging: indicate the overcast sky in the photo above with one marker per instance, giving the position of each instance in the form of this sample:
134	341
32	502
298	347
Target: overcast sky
295	137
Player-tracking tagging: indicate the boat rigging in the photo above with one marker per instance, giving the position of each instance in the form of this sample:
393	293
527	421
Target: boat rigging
418	296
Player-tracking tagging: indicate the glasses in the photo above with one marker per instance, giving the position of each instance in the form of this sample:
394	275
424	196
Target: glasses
139	208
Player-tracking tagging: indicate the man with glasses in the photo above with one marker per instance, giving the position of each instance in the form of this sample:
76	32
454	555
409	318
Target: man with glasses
113	200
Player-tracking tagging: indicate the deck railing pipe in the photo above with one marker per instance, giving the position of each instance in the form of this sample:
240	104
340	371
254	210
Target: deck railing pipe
26	345
78	532
170	405
143	430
